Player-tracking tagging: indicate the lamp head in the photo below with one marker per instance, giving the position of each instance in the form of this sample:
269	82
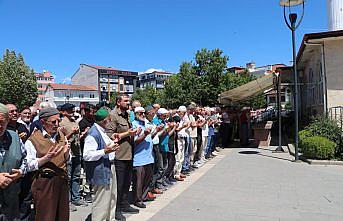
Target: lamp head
290	3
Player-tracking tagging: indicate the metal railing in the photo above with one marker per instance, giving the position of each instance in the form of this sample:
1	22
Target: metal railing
336	113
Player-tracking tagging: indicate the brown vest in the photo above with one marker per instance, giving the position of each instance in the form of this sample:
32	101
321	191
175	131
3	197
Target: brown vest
43	144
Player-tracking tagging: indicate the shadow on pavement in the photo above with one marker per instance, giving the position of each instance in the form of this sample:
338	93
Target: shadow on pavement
263	155
248	152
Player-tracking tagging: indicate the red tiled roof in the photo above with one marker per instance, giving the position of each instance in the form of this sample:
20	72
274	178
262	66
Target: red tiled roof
73	87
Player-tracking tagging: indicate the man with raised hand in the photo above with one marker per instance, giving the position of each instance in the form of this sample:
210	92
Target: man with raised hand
48	152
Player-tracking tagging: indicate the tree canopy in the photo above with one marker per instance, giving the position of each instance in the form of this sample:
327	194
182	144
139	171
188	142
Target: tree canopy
200	81
17	81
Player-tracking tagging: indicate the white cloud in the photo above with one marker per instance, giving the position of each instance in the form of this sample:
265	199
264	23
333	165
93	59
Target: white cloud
66	80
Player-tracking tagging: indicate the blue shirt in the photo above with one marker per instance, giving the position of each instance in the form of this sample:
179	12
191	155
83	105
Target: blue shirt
143	154
131	116
164	139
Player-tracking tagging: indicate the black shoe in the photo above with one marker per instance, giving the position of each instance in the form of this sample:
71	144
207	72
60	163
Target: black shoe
169	182
140	205
119	217
88	198
172	179
186	172
129	210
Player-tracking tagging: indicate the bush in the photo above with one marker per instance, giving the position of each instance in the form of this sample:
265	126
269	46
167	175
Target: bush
325	127
303	135
318	148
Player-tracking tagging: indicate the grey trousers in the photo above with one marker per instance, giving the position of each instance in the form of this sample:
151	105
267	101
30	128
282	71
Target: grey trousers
105	199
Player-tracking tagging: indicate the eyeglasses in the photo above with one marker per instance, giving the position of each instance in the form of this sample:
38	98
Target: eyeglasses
14	110
141	113
54	122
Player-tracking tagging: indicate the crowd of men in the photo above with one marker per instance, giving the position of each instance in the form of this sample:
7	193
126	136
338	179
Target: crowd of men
44	154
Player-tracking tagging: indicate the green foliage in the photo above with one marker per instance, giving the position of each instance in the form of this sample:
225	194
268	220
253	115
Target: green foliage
303	135
288	106
17	81
147	96
318	148
325	127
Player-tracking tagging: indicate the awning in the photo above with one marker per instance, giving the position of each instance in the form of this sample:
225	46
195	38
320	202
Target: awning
247	90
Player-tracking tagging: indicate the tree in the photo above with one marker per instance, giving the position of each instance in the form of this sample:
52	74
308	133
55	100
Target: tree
18	83
147	96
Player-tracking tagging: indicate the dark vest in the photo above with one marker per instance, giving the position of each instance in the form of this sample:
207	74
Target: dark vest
98	172
12	160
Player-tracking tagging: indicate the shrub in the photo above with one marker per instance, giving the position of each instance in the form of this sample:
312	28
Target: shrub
325	127
318	148
303	135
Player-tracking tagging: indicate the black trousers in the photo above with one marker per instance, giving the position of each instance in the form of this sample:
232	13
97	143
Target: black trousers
171	164
124	175
141	179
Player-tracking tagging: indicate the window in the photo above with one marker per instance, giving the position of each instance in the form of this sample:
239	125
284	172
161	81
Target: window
81	96
91	96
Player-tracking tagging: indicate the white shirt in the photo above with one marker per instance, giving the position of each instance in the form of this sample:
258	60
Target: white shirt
193	130
204	128
184	132
31	157
91	152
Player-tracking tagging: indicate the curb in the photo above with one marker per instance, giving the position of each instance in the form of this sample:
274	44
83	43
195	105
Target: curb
315	162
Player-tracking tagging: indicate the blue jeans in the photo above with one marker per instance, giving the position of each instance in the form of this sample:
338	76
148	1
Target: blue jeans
187	151
209	145
74	173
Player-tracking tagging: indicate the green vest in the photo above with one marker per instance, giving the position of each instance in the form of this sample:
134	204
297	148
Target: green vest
11	160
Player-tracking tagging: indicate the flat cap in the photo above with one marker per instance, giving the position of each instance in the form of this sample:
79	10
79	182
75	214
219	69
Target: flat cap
3	109
67	106
48	112
101	114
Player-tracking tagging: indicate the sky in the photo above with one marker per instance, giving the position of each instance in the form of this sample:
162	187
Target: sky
137	35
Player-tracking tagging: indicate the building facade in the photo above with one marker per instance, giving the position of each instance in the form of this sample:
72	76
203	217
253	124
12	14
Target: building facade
155	79
74	94
43	80
320	65
107	81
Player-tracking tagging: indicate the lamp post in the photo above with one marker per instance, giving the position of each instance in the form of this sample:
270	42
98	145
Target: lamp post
292	24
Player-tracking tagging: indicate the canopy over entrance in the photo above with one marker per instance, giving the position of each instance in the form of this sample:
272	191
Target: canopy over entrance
247	90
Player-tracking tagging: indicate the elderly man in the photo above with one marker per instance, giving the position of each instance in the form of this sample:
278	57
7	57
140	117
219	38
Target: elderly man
100	170
13	114
12	166
25	122
72	133
123	159
48	152
143	158
181	142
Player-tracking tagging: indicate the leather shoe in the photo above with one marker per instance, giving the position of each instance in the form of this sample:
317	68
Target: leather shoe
157	191
151	195
129	210
179	179
119	217
140	205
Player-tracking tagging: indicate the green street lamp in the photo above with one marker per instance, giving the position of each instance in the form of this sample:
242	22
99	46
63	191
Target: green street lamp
292	24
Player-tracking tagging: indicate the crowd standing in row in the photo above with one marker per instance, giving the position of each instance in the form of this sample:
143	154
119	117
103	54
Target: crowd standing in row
45	152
